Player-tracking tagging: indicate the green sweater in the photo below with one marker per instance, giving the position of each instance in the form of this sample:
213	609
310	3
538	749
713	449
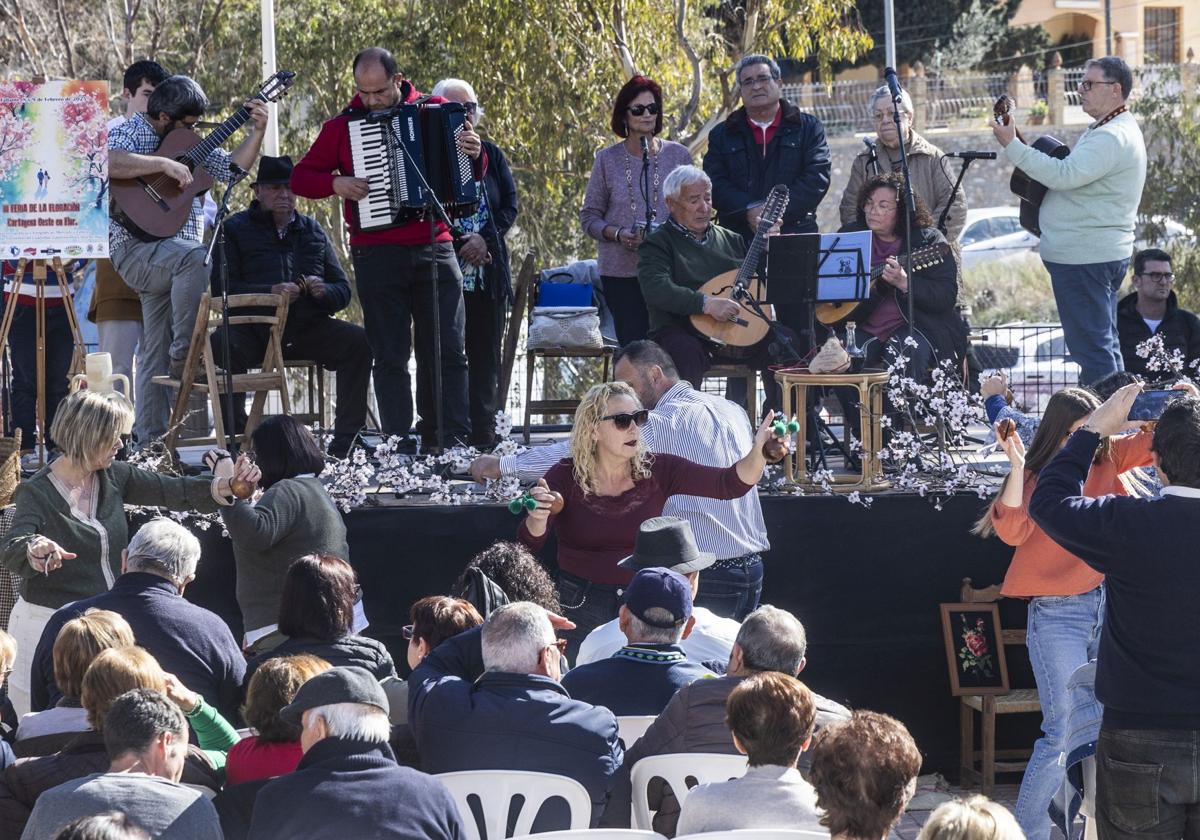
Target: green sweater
99	541
672	266
215	734
1088	214
294	517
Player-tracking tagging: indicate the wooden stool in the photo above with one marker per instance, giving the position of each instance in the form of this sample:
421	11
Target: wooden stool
870	386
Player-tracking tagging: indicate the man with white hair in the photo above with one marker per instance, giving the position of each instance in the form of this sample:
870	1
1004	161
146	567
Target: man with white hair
675	261
490	699
187	640
926	164
348	783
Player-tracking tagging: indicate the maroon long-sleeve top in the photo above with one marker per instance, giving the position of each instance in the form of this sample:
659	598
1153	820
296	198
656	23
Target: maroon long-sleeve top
596	532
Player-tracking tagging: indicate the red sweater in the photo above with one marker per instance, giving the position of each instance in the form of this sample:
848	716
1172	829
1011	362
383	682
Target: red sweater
596	532
329	157
251	759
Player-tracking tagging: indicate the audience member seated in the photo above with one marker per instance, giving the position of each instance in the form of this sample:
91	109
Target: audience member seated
975	818
1152	309
8	716
505	573
434	619
316	614
770	640
490	699
865	772
348	783
642	677
669	541
115	672
74	648
771	718
274	748
111	825
187	640
145	736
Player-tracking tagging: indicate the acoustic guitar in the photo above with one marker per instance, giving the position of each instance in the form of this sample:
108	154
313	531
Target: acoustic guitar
748	329
922	258
1030	192
154	206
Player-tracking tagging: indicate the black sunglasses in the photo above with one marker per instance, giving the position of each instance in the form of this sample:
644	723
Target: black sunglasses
622	420
638	110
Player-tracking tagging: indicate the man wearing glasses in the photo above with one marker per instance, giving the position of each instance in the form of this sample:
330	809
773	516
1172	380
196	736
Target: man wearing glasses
1087	217
1151	309
925	164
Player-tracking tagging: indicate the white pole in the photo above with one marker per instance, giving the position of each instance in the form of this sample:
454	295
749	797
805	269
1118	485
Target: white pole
271	141
889	34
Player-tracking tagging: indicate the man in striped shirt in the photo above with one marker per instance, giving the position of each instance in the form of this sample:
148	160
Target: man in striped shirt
704	428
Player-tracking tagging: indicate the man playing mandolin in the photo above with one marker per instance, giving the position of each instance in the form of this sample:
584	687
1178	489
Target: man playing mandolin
1087	217
675	261
169	275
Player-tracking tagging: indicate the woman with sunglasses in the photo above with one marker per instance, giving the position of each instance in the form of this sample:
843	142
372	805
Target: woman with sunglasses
611	485
614	206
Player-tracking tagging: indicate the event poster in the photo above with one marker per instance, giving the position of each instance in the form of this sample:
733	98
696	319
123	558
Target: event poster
53	169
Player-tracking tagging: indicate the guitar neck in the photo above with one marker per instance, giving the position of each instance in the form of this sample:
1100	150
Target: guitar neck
753	256
217	137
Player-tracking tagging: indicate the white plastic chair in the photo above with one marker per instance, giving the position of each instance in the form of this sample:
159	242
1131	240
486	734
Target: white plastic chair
632	727
601	834
675	769
495	789
756	834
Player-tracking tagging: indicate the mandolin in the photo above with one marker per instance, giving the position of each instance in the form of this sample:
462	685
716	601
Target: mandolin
922	258
154	206
749	329
1030	192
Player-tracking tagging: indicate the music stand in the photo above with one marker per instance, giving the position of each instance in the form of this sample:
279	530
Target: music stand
801	273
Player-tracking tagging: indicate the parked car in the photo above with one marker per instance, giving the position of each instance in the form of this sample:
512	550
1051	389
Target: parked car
994	233
1160	232
1034	356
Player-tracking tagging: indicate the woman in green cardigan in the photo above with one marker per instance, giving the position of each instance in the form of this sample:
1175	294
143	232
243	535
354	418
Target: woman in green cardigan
70	527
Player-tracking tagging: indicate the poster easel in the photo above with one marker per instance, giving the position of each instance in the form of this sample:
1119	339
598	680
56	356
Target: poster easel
39	271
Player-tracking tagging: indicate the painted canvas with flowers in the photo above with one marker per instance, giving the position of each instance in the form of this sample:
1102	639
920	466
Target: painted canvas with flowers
974	649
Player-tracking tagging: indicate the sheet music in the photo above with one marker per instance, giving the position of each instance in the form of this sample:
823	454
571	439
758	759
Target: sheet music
837	277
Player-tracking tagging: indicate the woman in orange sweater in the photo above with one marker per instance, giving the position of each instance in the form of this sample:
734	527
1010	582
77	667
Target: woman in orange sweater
1066	597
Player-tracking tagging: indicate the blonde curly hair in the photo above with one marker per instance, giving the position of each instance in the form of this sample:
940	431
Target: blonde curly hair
583	448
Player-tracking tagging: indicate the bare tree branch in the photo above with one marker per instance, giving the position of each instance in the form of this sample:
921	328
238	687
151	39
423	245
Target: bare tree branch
693	104
620	40
64	33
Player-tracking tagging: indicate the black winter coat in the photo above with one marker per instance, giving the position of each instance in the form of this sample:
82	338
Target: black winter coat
1180	330
356	650
797	156
501	192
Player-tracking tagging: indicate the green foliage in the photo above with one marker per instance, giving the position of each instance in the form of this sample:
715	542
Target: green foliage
1009	290
1171	124
1017	46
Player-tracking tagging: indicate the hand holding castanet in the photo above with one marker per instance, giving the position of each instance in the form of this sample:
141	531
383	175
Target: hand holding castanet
776	448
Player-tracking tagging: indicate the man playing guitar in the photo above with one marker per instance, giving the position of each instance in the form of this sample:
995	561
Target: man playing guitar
169	275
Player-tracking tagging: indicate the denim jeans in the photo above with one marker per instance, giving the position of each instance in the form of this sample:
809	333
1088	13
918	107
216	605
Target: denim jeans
732	592
1064	633
1148	784
587	604
1086	296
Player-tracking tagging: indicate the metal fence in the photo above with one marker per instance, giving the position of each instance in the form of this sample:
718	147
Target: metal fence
1035	358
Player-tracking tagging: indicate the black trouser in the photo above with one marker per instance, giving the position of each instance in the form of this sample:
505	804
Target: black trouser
335	345
396	292
881	355
485	324
630	316
22	340
1146	783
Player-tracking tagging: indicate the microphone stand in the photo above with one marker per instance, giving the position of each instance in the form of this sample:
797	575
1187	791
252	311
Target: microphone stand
941	222
650	212
910	210
218	239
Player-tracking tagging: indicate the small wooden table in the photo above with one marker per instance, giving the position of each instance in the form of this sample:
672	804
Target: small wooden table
870	385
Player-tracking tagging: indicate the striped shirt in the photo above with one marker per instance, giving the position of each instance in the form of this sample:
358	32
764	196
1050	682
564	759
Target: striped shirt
701	427
137	136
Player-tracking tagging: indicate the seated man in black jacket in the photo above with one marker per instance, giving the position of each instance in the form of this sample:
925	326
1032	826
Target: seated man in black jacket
1152	309
273	249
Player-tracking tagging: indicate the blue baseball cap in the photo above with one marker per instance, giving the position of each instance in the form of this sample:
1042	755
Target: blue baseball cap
662	588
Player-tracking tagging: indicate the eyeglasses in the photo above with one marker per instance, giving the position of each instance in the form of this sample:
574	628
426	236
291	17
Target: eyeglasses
638	110
1159	276
758	80
882	207
887	116
470	107
407	632
622	420
1088	84
561	644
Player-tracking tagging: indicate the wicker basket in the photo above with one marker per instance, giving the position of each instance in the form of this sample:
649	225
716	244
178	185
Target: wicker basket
10	466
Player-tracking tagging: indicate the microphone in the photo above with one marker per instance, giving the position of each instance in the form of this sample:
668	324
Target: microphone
889	75
973	155
645	149
870	143
380	116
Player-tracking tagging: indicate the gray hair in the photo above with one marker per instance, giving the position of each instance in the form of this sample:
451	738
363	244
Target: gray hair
640	631
177	97
1115	70
466	87
684	176
772	639
514	637
755	58
882	92
356	721
164	548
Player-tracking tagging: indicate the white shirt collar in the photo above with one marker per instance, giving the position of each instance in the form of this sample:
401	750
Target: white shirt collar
1180	490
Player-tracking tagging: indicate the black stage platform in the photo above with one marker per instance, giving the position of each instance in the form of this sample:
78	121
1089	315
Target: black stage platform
865	582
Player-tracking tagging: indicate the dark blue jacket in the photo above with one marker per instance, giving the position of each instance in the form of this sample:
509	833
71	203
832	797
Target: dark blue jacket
638	679
498	721
1148	667
187	640
354	789
797	157
501	192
